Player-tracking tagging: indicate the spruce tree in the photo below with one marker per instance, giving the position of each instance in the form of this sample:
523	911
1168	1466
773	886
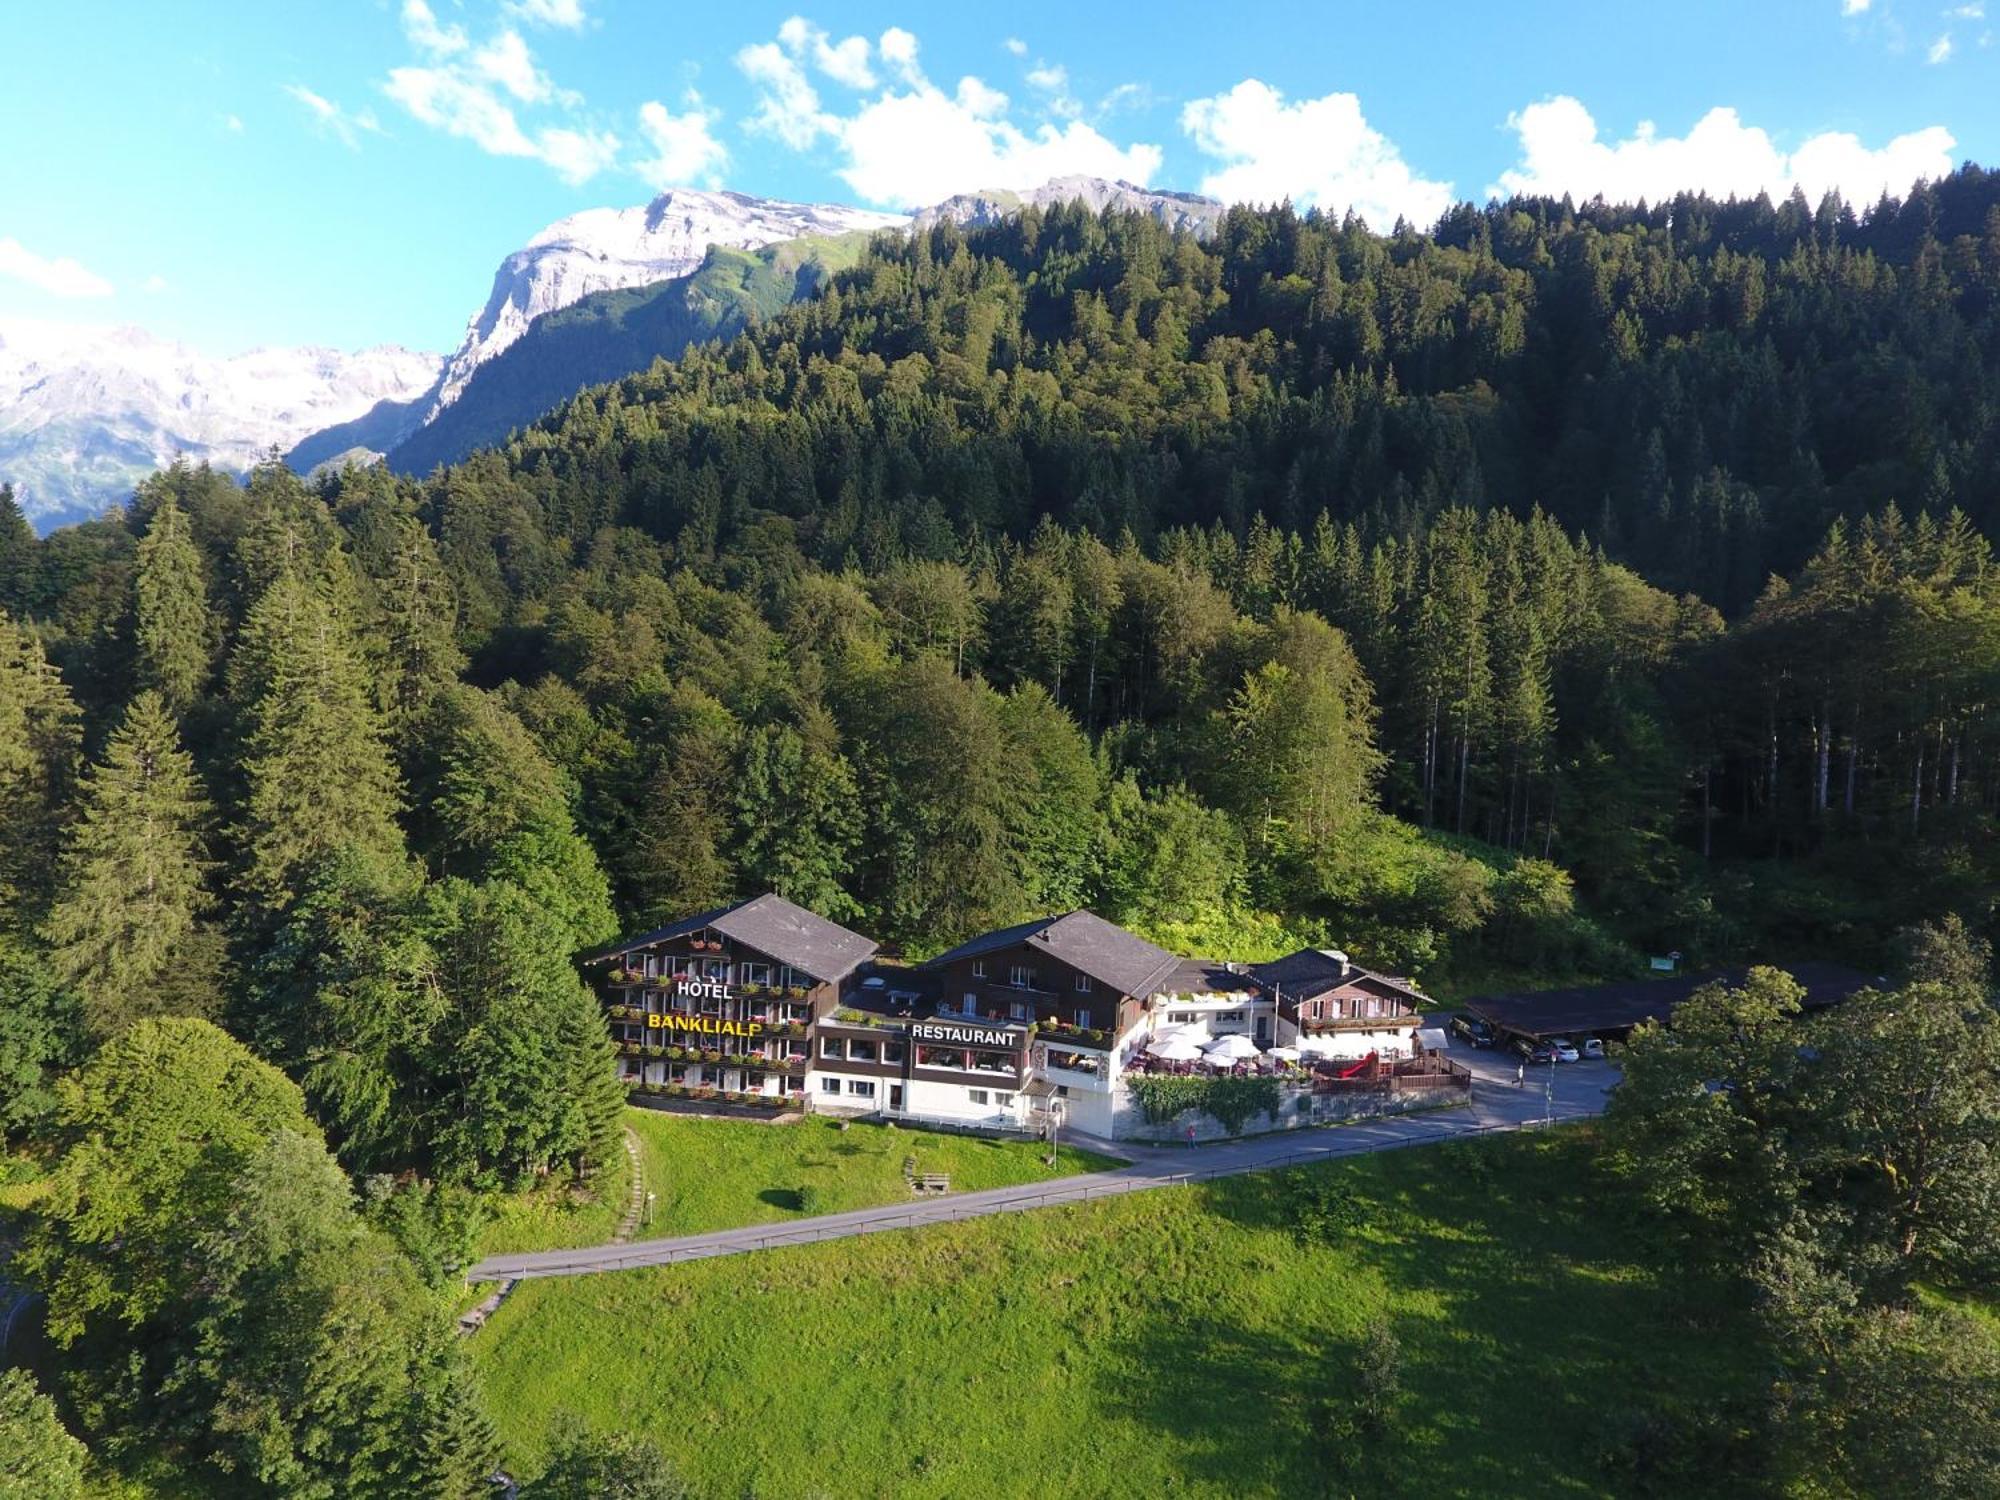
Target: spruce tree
40	747
317	772
175	628
122	933
19	552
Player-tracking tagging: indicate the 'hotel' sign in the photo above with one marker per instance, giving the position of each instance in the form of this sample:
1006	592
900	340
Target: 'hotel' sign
698	988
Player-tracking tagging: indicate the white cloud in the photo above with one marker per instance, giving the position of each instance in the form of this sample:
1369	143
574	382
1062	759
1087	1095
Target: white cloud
59	277
1940	50
466	92
564	14
844	61
899	51
685	149
1561	153
1016	46
343	125
787	103
1853	7
1317	152
914	143
426	35
233	124
154	283
506	61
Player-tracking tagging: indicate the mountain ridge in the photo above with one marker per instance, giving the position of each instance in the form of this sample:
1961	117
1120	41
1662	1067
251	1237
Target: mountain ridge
94	409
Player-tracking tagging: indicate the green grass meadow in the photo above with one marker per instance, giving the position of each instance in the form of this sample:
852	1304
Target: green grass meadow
719	1174
1178	1342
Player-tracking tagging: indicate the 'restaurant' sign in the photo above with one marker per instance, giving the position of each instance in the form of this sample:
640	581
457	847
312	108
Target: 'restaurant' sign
964	1036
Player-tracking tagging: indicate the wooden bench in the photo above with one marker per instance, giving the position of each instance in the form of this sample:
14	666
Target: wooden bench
930	1182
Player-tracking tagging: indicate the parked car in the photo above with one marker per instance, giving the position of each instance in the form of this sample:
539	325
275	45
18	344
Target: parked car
1475	1031
1565	1050
1534	1052
1593	1048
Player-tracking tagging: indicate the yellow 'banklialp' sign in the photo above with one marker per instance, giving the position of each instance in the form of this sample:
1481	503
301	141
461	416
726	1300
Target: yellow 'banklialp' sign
705	1025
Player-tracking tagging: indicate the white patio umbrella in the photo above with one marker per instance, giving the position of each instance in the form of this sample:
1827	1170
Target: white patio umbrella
1232	1047
1284	1054
1173	1049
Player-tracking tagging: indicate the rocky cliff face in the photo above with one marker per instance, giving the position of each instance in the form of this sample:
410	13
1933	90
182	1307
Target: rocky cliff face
604	249
1178	211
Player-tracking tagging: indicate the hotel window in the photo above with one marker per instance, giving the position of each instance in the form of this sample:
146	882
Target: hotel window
829	1085
861	1088
1021	977
892	1052
830	1046
1020	1010
1083	1017
861	1051
977	1096
979	968
756	973
1083	984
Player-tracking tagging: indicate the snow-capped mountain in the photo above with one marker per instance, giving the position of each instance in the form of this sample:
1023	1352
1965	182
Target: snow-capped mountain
87	411
606	248
1177	211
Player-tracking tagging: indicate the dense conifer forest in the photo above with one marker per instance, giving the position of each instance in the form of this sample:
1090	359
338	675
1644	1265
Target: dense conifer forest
1503	603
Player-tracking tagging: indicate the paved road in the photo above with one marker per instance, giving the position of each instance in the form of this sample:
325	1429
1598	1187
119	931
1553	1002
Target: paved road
1568	1093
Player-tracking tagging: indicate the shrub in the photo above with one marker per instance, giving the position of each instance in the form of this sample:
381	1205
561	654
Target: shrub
1323	1209
810	1200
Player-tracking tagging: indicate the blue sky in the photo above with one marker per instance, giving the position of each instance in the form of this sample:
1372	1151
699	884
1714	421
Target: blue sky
349	172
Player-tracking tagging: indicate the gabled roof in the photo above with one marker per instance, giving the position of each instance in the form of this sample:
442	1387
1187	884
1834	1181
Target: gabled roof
774	926
1087	943
1313	971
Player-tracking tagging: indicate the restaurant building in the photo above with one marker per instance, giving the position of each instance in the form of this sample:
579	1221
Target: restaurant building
1019	1028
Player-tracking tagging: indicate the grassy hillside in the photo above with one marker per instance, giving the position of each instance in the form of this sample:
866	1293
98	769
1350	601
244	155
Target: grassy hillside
612	334
717	1174
1175	1342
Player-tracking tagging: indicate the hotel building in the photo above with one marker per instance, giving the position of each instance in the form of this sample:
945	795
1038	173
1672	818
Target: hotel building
1013	1029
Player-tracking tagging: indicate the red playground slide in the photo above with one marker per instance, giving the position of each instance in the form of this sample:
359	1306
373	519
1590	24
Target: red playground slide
1355	1069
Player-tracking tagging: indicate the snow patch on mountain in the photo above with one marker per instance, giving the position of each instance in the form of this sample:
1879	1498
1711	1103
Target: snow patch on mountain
87	411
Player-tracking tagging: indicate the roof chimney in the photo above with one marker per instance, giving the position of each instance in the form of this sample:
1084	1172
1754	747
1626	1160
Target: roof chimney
1338	957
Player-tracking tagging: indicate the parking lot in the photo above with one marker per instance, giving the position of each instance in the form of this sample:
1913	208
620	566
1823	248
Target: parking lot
1562	1091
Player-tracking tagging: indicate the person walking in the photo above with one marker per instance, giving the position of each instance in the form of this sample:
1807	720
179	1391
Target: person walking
1521	1074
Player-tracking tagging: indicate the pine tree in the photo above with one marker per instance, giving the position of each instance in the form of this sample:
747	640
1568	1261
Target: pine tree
175	628
317	772
40	748
20	550
123	932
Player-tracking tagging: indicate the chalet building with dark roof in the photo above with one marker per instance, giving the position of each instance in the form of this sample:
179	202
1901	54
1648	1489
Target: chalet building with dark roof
726	1000
1016	1028
1336	1008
